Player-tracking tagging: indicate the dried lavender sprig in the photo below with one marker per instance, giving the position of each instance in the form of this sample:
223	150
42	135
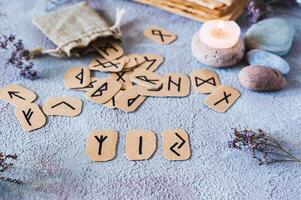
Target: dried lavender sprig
19	56
4	165
264	148
258	9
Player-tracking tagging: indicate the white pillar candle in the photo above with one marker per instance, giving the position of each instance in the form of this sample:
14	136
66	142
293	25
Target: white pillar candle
220	34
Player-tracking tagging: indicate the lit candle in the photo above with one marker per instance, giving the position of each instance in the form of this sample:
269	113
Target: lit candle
220	34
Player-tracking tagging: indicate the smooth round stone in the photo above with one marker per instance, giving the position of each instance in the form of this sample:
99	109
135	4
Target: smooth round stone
274	35
261	57
217	57
261	78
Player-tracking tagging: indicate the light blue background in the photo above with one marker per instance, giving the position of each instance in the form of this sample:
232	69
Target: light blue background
53	160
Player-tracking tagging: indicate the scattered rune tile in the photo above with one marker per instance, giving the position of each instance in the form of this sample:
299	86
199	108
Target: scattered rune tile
123	78
125	59
144	91
94	81
104	90
129	100
77	77
176	85
204	80
112	102
152	61
110	50
146	78
64	106
16	94
140	144
159	35
222	98
135	60
30	116
103	65
101	145
176	144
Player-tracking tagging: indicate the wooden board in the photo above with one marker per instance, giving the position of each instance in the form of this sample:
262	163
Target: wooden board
233	12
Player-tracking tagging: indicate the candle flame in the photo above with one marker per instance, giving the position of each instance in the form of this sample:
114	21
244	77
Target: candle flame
221	25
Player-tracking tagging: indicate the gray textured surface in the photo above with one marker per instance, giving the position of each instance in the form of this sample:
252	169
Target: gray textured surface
53	159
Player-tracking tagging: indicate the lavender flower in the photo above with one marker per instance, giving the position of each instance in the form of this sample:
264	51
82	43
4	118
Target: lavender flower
258	9
264	148
19	56
4	165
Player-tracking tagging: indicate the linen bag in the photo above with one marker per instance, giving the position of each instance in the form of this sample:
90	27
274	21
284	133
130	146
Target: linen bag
73	29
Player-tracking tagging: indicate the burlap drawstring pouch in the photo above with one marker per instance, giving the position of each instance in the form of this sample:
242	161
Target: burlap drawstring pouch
73	30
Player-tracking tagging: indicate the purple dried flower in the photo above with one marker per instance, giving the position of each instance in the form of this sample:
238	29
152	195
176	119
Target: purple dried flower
19	56
263	148
258	9
4	165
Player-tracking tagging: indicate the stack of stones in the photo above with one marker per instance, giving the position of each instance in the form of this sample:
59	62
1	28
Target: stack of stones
269	40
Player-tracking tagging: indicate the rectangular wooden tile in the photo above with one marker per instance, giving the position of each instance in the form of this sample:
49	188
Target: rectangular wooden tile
104	91
204	80
176	85
140	144
129	100
159	35
176	144
17	95
63	106
222	98
101	145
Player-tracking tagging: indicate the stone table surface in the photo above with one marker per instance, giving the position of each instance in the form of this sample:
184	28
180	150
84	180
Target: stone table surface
53	162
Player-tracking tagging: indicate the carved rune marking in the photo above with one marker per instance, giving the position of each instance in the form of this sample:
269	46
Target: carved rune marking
65	103
199	81
131	101
152	62
160	34
226	96
107	64
140	144
179	147
15	93
177	84
144	78
106	47
80	76
101	140
99	91
120	76
28	115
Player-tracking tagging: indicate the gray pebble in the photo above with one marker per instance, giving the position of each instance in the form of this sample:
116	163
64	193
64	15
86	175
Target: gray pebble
274	35
261	78
261	57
